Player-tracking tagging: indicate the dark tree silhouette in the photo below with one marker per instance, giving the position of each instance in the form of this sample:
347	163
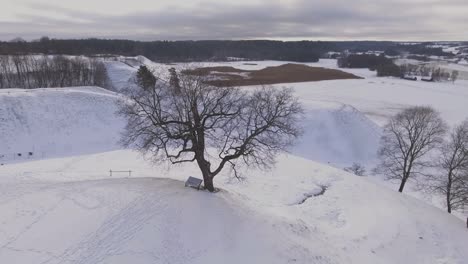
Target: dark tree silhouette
200	122
356	169
454	76
407	138
453	181
145	78
174	81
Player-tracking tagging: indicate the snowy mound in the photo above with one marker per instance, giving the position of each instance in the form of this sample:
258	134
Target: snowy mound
338	135
44	123
300	212
132	221
120	74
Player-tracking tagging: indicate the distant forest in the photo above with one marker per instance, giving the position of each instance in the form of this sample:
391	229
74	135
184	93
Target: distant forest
212	50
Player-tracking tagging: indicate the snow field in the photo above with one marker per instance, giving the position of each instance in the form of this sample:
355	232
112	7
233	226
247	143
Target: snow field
66	208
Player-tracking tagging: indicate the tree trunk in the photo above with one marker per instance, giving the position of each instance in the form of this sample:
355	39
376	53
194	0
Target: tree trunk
208	182
402	185
207	176
449	193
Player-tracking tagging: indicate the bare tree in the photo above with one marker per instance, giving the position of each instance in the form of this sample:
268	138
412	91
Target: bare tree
18	71
453	182
440	75
407	138
454	76
174	79
356	169
212	126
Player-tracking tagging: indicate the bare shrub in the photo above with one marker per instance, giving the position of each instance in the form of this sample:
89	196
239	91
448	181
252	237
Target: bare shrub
356	169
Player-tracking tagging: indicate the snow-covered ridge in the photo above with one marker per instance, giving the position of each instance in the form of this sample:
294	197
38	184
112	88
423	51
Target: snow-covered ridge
337	134
44	123
72	121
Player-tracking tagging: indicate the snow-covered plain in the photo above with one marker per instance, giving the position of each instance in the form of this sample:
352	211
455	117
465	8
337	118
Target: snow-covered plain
64	207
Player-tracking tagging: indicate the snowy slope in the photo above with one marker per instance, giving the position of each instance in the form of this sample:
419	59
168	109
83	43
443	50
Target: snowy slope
337	134
70	211
120	74
129	221
71	121
57	122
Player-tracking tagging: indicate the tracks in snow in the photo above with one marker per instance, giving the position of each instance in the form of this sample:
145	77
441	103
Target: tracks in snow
112	234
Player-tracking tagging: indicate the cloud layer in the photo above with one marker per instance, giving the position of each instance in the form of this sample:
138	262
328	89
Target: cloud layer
278	19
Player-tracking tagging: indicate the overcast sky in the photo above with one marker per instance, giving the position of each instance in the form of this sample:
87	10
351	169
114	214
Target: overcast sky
411	20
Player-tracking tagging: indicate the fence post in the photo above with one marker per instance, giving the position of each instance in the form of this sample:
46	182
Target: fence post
110	173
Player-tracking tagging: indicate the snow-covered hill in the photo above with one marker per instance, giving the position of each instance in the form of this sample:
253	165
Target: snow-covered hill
121	74
130	221
72	121
57	122
70	210
338	135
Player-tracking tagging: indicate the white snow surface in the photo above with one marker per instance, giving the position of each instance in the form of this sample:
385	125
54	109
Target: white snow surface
69	210
62	206
57	122
120	74
337	134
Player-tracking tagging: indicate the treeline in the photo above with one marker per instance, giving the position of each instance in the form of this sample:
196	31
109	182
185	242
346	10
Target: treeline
393	48
24	71
383	65
370	61
418	58
386	67
213	50
410	71
171	51
419	49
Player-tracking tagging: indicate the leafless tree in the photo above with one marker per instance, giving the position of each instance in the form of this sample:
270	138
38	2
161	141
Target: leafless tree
425	71
21	71
212	126
440	75
453	181
407	138
454	76
356	169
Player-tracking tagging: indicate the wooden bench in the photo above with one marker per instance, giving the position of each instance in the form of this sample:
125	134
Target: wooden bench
193	182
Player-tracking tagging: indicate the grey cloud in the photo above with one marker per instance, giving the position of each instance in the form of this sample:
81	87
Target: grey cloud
359	19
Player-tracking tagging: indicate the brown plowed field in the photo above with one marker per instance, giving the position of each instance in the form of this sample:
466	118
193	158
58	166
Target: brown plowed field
287	73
